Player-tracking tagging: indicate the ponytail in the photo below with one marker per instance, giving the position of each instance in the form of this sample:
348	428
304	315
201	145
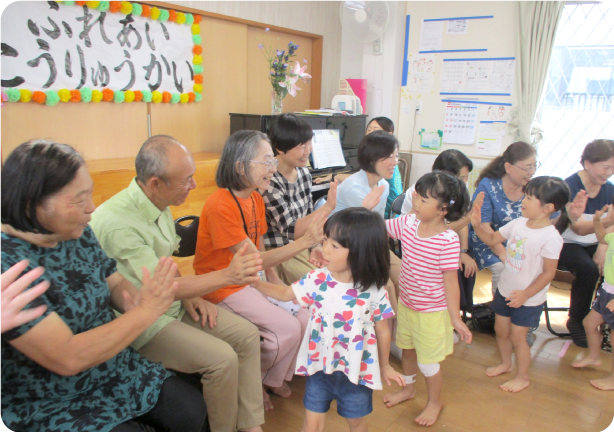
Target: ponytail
551	190
564	221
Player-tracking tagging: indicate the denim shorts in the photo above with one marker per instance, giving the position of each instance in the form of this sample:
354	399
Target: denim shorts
353	400
524	316
602	299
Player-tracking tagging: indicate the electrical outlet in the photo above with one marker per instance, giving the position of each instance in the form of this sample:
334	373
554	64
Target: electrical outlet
419	107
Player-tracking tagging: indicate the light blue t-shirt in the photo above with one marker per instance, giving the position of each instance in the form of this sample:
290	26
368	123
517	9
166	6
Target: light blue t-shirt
355	188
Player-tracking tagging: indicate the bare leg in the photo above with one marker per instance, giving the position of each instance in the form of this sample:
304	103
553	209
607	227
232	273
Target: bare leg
282	391
409	364
591	325
314	422
268	405
523	360
358	424
504	343
431	411
605	383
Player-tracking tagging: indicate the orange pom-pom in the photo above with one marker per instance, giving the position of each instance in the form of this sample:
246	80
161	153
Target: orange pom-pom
107	95
197	49
146	11
114	7
172	15
138	95
80	3
39	97
197	19
191	96
75	96
198	79
166	97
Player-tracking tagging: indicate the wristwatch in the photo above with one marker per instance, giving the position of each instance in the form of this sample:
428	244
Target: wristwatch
464	251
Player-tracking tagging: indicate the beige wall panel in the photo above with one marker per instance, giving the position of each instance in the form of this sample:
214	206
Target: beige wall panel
98	130
258	83
204	126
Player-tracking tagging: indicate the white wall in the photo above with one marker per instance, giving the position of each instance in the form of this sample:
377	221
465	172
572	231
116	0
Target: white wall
321	18
499	35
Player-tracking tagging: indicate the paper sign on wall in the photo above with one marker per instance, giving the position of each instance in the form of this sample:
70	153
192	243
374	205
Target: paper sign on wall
431	35
494	76
460	123
457	27
494	112
421	72
490	137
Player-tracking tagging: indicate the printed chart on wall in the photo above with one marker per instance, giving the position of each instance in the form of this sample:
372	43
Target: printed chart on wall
421	73
460	123
489	76
493	121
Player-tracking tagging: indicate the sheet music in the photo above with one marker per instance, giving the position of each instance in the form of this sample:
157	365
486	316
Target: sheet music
327	151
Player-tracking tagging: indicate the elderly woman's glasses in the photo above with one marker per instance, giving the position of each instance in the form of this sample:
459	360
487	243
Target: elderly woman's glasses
529	168
271	164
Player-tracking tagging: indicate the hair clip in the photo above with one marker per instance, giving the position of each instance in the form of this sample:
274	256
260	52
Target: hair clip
451	201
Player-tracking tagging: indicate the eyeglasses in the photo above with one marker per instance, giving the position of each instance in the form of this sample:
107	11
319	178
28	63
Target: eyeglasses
529	168
271	163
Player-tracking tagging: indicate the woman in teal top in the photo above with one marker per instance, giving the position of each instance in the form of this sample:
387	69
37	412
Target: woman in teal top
396	184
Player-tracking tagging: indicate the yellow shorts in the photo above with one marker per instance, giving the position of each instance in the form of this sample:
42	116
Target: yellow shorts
429	333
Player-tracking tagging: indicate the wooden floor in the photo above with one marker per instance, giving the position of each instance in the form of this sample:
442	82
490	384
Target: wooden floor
559	398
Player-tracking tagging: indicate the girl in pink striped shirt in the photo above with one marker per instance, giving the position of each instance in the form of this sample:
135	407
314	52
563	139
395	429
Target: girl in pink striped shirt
429	301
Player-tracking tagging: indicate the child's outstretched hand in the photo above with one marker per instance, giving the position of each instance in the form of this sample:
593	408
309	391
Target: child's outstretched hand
517	298
389	374
610	305
599	213
462	330
476	212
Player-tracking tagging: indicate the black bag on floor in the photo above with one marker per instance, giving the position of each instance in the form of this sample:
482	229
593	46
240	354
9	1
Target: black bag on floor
483	318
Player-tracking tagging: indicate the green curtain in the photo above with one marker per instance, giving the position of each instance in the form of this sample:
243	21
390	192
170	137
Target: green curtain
537	25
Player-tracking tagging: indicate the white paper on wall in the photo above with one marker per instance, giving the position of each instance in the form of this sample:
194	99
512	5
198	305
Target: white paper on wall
460	123
490	136
457	27
431	35
421	72
478	76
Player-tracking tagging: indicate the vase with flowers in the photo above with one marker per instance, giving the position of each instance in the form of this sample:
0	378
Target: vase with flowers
282	76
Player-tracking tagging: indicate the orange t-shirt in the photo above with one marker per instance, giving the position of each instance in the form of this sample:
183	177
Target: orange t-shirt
221	227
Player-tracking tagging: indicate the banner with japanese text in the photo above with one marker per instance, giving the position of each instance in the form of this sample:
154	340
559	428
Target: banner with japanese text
99	51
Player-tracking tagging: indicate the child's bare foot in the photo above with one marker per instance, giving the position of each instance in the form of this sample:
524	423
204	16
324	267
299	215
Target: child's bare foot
493	371
268	405
587	361
281	391
429	414
407	393
605	383
515	385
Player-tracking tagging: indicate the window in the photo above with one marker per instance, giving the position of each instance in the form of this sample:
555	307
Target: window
579	91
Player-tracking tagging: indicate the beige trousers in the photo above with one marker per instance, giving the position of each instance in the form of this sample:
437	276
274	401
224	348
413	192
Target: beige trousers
228	359
295	268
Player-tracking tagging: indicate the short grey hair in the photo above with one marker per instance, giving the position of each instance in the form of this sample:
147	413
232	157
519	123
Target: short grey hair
241	147
152	160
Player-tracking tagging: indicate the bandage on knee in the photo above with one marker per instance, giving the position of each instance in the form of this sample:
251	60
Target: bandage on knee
410	379
428	370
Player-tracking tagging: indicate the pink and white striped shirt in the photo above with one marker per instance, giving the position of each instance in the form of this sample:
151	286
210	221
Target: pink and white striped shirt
424	261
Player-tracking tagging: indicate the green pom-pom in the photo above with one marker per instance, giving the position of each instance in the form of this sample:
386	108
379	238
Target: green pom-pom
103	6
119	96
86	94
52	98
13	94
137	9
68	3
146	96
197	39
189	19
198	97
163	15
198	69
175	97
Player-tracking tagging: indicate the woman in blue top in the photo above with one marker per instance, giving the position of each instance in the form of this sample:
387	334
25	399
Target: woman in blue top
502	182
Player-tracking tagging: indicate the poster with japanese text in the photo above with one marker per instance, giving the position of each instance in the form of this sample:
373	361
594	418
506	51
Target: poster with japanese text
135	53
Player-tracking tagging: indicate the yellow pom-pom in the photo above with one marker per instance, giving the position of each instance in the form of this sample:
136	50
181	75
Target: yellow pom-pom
96	95
198	88
64	95
156	97
92	4
198	59
26	95
195	29
129	96
126	8
155	13
180	18
184	98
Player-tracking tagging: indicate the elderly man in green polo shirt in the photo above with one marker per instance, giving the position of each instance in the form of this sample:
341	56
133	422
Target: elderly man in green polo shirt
136	228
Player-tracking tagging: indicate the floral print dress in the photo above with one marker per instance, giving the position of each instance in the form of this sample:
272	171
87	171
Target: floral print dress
340	333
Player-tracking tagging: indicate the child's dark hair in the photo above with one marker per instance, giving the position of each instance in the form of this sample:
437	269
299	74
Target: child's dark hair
551	190
450	191
289	131
374	147
452	161
364	233
384	122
